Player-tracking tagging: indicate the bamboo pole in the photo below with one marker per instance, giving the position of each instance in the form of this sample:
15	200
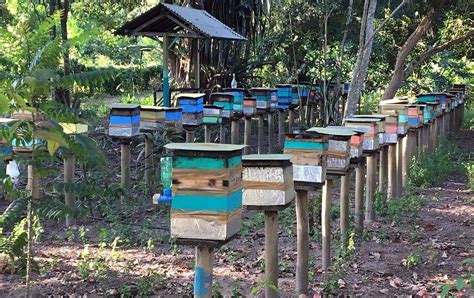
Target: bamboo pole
166	84
326	224
271	253
302	242
203	271
69	196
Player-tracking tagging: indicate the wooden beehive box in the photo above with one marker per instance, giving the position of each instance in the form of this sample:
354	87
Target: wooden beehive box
207	190
267	180
284	96
193	106
414	114
225	101
380	125
448	105
434	102
356	140
370	140
263	96
391	129
239	94
308	154
151	118
212	114
295	96
173	118
250	107
397	107
124	120
339	148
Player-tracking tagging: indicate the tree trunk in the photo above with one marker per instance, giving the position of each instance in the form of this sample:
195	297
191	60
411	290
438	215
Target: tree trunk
363	57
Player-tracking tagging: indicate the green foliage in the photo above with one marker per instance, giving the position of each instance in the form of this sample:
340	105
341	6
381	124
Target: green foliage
429	169
263	283
403	208
414	259
252	225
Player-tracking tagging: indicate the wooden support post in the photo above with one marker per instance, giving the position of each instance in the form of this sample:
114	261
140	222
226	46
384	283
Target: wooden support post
383	166
392	172
189	136
149	162
370	188
222	133
433	136
399	167
271	253
247	134
125	164
313	115
234	131
359	198
302	242
207	133
203	271
271	133
197	64
69	196
260	134
420	141
281	127
344	205
426	137
302	120
326	224
165	75
291	120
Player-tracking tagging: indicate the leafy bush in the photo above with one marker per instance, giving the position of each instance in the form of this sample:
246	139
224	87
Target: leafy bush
426	170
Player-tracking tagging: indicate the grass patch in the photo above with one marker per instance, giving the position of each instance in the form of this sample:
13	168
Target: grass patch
426	170
405	207
468	121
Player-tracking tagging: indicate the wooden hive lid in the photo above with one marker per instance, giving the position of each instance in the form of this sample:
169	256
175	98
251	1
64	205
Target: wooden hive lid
266	160
380	117
355	130
205	149
334	133
213	107
362	120
151	108
394	101
123	106
190	95
233	90
263	89
225	95
283	85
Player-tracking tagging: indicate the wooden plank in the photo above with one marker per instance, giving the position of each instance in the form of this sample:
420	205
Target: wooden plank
271	253
302	242
326	224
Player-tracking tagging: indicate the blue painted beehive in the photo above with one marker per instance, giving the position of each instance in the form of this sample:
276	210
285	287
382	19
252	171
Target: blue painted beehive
434	100
212	114
238	100
124	120
284	96
193	106
225	101
207	190
264	99
345	88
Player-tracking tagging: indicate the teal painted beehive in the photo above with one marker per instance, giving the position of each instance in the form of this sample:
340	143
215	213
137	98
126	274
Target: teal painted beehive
284	96
207	190
225	101
238	101
212	114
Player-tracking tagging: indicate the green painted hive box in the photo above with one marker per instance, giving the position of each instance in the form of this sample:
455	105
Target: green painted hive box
207	190
212	114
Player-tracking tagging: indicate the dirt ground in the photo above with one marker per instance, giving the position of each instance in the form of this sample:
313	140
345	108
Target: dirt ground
438	248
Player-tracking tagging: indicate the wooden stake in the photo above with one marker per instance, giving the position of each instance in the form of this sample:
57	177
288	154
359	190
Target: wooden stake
271	133
260	134
420	141
359	198
302	242
392	172
291	120
326	224
383	168
344	205
271	253
281	127
203	271
247	134
125	164
426	137
408	153
370	188
189	136
222	133
234	131
69	197
207	133
399	167
148	162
